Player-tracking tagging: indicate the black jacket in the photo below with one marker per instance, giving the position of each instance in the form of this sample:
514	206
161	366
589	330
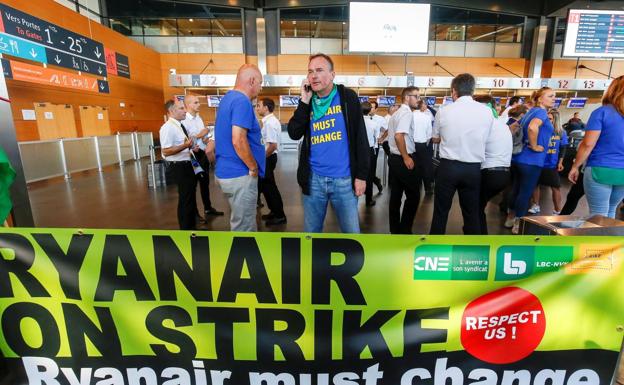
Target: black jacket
359	151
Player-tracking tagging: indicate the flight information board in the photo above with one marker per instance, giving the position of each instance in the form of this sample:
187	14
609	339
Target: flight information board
594	33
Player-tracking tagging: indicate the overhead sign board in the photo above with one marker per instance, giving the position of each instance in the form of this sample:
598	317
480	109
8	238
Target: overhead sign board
61	43
51	77
14	46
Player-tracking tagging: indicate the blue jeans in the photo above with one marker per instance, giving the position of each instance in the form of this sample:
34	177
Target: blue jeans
528	176
340	193
602	199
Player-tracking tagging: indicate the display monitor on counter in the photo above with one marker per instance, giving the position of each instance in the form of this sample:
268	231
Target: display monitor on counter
389	27
214	100
289	100
363	99
594	33
430	100
557	102
386	101
577	102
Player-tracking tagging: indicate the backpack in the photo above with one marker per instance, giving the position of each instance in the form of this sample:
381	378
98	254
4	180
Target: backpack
518	136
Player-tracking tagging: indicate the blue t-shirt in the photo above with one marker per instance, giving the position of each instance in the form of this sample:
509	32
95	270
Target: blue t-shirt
552	153
609	150
235	109
329	151
527	155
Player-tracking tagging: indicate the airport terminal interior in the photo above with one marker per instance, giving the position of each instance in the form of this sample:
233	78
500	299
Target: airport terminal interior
325	159
84	83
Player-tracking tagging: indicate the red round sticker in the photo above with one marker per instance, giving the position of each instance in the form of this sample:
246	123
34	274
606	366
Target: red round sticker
503	326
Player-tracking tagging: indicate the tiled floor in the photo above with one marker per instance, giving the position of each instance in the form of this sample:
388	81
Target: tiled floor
119	198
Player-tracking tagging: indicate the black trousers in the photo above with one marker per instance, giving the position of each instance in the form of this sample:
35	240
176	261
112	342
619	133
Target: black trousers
204	182
465	178
403	181
492	183
424	162
187	204
574	195
372	177
269	188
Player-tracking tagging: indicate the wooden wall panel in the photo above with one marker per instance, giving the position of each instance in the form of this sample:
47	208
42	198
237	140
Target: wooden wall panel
567	68
142	94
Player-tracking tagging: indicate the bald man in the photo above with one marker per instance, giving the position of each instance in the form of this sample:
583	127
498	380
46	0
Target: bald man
239	150
196	128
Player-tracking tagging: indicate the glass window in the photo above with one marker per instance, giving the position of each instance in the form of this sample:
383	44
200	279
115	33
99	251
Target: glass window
327	29
432	31
121	26
451	32
509	33
194	27
159	27
481	33
295	28
227	27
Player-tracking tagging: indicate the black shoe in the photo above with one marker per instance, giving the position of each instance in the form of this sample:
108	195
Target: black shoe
379	187
276	221
213	212
370	204
268	216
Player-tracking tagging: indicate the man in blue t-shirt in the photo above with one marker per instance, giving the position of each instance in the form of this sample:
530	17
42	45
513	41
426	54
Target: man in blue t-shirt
335	153
239	150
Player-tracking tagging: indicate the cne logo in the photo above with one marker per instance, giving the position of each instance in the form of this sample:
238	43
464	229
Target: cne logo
426	263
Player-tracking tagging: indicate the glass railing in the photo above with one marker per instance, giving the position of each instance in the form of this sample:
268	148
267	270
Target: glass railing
52	158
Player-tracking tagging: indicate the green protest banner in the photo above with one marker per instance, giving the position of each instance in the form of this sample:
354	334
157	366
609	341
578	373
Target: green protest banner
171	307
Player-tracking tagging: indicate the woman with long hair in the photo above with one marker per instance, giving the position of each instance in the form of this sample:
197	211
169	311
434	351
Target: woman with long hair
552	166
603	149
537	131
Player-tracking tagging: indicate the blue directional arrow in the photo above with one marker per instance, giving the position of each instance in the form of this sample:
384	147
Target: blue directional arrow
14	46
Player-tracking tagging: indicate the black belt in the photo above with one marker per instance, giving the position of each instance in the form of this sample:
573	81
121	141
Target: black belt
179	161
496	169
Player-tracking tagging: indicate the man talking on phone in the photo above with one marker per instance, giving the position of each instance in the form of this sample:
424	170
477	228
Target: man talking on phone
335	155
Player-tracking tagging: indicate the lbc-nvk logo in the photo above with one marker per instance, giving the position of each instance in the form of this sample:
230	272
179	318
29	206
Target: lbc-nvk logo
517	262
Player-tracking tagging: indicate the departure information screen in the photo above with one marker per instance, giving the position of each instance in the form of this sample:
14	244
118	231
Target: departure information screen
594	33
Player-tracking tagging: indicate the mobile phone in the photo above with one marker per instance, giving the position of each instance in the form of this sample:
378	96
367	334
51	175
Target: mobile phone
307	88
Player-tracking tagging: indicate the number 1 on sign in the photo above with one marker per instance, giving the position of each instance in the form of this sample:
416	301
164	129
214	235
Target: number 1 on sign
47	31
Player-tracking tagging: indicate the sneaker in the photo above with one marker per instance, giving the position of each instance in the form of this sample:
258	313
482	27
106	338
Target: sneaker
516	226
509	222
535	209
556	212
276	221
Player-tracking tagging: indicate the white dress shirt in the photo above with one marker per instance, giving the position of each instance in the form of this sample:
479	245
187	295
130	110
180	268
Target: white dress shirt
171	135
401	122
463	128
422	126
499	146
373	130
194	125
271	131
